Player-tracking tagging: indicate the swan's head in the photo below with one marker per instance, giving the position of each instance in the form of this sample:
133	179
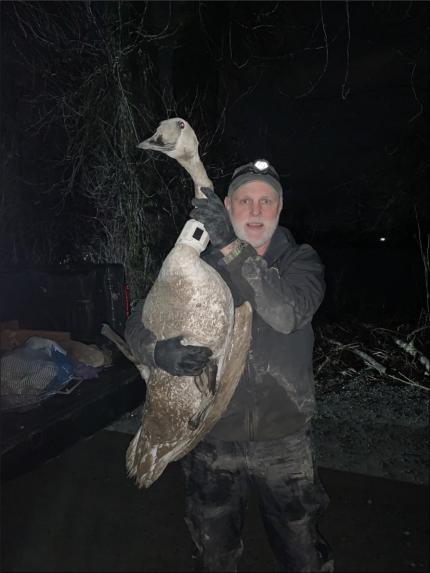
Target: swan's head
175	138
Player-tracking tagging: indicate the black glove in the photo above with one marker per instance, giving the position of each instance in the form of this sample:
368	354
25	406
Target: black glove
214	216
180	360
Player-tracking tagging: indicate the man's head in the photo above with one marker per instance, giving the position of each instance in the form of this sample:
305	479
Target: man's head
254	203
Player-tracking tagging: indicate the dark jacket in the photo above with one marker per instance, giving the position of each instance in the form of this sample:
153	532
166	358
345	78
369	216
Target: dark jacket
275	395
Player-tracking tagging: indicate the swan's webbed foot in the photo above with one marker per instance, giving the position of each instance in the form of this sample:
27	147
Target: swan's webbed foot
194	421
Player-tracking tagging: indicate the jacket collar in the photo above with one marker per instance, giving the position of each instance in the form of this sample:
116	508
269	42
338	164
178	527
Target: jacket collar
282	240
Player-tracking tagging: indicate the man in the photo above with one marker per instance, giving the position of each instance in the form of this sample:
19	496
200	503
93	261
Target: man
264	438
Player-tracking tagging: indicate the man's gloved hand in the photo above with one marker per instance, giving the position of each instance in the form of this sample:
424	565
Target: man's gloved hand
179	360
214	216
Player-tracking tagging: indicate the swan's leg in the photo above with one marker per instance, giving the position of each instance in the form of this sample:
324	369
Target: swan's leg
207	381
212	371
199	381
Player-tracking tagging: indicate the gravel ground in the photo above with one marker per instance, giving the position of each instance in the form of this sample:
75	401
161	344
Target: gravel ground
374	428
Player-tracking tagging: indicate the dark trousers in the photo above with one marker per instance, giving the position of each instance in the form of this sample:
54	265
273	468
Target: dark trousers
291	499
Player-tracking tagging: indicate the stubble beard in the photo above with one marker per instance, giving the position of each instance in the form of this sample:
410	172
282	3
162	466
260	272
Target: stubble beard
269	229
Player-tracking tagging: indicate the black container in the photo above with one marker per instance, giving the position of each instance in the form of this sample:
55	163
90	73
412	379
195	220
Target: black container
74	298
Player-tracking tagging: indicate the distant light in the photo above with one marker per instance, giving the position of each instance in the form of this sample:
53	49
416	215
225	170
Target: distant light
261	164
382	239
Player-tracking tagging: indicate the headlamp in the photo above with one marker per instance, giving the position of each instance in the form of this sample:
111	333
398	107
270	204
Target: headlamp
258	170
261	165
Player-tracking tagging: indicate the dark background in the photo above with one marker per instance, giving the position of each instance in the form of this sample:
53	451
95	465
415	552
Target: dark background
334	94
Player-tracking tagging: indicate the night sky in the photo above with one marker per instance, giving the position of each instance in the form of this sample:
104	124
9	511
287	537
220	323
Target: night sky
334	94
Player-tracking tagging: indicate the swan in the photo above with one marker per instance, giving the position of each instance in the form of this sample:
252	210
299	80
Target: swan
188	298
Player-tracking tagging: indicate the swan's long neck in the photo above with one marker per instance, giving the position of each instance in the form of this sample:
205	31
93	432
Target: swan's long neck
196	169
194	234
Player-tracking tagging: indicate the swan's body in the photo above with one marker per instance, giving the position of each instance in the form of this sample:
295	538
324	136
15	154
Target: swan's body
189	298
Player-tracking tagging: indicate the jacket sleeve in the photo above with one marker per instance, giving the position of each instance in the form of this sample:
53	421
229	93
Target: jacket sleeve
141	340
286	299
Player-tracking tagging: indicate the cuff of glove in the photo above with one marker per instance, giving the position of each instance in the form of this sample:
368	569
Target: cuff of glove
238	248
150	350
233	263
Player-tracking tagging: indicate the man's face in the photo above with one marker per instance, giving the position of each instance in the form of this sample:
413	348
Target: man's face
254	210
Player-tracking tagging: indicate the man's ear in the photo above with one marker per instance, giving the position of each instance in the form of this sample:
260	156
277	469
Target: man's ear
281	205
227	203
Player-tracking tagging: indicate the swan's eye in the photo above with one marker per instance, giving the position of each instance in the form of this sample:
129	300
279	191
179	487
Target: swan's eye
181	124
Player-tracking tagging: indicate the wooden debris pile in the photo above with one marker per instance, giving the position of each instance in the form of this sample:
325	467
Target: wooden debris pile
396	355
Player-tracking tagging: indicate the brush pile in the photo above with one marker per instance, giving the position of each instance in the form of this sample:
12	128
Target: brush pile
394	355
